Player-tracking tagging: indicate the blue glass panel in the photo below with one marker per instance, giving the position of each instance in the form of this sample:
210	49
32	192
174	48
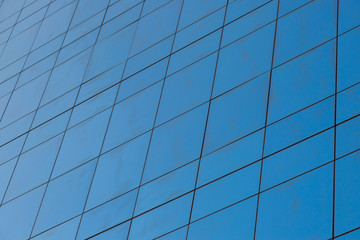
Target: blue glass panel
24	100
87	8
351	236
226	191
348	104
349	53
349	15
33	168
179	234
66	76
176	143
156	26
15	129
348	137
93	106
291	5
231	158
187	89
11	149
119	232
120	170
143	79
236	222
194	10
161	220
66	230
302	208
132	117
302	82
298	159
20	215
110	51
167	187
46	131
120	7
64	198
245	59
249	22
54	25
297	33
81	143
6	171
239	8
228	121
347	214
107	215
299	126
199	29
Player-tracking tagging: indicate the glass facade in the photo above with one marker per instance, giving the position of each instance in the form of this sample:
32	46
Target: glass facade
179	119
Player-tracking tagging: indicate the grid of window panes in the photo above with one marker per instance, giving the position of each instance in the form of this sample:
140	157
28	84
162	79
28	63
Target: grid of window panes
179	119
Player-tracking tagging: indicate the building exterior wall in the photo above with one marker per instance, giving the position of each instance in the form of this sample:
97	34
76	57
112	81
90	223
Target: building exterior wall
179	119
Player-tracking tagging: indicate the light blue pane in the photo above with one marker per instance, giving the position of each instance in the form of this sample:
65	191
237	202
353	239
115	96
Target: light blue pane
303	208
120	7
54	25
351	236
290	5
110	52
194	10
161	220
156	26
179	234
56	107
132	117
244	59
199	29
64	198
11	149
100	83
236	222
231	158
348	64
166	188
348	137
151	5
93	106
148	57
15	129
119	170
66	230
176	143
36	70
6	171
33	168
298	159
187	89
87	8
297	33
194	52
46	131
250	22
119	232
299	126
24	100
239	8
349	15
302	82
226	191
120	22
84	28
66	76
77	47
20	215
143	79
348	104
229	121
107	215
81	143
347	214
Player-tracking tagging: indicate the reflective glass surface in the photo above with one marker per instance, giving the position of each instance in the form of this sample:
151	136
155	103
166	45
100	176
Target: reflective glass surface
179	119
